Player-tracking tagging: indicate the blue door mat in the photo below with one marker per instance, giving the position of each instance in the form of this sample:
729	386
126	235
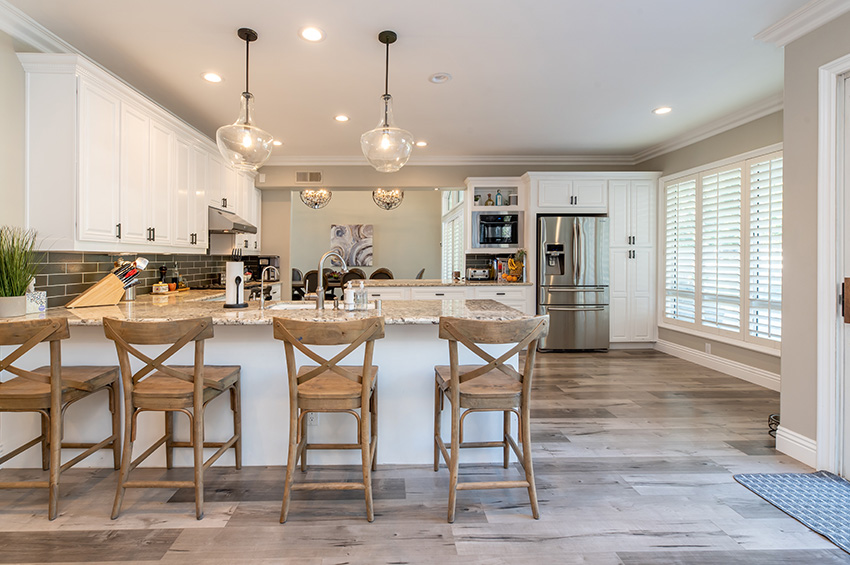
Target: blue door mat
819	500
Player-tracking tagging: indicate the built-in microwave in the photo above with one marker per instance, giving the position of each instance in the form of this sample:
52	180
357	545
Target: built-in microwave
496	231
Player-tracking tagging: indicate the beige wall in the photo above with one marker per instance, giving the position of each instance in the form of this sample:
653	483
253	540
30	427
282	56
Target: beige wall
405	239
803	57
753	135
11	135
275	231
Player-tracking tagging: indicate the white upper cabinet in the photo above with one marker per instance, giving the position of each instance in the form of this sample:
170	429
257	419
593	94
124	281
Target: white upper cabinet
568	193
105	169
215	181
99	140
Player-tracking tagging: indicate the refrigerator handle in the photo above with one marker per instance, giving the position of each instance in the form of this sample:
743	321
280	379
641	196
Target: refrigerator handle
575	252
580	252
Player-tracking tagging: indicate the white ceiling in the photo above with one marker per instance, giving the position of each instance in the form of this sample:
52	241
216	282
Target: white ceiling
531	78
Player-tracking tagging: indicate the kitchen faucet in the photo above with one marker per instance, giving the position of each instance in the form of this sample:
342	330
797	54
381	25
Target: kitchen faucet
320	291
262	280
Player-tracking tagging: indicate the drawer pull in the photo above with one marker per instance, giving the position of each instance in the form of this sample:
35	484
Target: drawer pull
439	294
500	294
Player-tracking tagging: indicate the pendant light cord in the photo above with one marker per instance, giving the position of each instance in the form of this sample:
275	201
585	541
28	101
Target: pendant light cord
247	62
386	86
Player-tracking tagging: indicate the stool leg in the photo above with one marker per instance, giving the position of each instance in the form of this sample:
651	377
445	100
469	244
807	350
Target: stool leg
236	407
373	415
438	413
126	459
525	431
291	460
303	439
506	431
198	445
365	434
55	461
45	443
115	410
169	442
455	461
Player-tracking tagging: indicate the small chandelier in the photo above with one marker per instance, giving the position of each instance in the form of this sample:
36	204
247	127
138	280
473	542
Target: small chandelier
388	199
316	199
387	147
242	143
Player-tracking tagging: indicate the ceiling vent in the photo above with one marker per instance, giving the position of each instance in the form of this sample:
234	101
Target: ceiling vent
308	177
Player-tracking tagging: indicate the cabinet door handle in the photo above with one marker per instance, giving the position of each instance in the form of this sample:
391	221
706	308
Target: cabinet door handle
224	202
246	244
118	231
153	234
500	294
255	245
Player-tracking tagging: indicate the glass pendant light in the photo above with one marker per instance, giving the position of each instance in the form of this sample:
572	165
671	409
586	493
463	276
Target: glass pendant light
387	147
388	199
242	143
315	199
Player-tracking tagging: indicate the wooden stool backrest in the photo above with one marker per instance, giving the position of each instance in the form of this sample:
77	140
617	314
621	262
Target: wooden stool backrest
26	334
523	333
298	334
176	334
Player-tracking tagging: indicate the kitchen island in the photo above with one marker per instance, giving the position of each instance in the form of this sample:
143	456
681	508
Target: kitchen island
406	357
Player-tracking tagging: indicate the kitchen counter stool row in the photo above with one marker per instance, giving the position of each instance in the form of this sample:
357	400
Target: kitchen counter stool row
327	386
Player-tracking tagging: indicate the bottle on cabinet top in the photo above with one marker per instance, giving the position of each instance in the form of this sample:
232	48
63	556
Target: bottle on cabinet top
499	200
489	201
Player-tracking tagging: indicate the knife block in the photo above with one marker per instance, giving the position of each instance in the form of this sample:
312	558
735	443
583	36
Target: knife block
108	291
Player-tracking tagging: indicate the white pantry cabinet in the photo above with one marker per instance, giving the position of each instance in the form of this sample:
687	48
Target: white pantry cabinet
632	256
104	163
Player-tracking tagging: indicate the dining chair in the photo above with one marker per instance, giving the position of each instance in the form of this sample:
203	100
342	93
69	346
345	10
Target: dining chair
170	389
331	387
49	391
491	386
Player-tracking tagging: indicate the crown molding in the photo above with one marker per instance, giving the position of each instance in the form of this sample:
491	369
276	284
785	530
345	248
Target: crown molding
800	22
739	118
468	160
23	28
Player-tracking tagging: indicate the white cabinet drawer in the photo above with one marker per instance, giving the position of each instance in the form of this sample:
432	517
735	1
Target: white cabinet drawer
437	293
500	294
389	293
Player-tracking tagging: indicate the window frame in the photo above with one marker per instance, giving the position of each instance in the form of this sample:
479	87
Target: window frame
742	337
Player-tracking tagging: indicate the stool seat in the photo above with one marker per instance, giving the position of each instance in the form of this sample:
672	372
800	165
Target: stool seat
332	391
492	386
160	387
77	382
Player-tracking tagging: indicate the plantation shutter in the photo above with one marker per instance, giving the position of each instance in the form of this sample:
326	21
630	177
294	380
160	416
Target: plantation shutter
680	251
721	250
765	253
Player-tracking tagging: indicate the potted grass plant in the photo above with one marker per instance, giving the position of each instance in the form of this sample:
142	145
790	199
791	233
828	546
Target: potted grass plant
18	266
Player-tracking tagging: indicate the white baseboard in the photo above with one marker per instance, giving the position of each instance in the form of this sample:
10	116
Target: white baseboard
734	368
632	345
798	446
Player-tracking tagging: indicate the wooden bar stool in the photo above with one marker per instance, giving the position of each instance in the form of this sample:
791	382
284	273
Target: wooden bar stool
493	386
330	387
49	391
171	389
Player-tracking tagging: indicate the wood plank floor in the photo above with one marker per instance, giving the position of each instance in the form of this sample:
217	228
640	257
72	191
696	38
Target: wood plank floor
634	455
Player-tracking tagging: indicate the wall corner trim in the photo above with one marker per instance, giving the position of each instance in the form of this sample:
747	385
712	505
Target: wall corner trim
25	29
744	372
800	22
798	446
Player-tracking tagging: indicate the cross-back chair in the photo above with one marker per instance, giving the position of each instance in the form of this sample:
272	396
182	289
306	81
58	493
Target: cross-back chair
331	387
171	389
492	386
49	391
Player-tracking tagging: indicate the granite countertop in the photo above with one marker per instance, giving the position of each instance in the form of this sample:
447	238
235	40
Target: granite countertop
435	282
201	303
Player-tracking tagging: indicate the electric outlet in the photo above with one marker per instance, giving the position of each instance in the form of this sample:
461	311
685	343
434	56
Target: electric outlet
312	419
708	348
262	177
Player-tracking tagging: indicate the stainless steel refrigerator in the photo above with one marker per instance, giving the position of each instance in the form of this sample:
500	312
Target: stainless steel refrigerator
572	267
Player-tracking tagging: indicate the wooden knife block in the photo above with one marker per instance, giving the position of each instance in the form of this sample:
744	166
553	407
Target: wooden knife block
108	291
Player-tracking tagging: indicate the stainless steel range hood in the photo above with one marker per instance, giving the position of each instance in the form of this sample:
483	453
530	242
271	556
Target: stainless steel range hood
228	222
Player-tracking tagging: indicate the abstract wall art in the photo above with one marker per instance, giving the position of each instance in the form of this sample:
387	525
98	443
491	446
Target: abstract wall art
354	243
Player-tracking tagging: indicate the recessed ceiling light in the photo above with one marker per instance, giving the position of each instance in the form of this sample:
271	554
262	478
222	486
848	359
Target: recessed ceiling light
440	78
421	143
662	110
277	142
310	33
211	77
341	118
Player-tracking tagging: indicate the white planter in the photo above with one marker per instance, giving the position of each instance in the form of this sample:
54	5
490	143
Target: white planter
12	306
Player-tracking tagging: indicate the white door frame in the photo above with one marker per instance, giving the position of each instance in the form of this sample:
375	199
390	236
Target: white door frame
830	330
